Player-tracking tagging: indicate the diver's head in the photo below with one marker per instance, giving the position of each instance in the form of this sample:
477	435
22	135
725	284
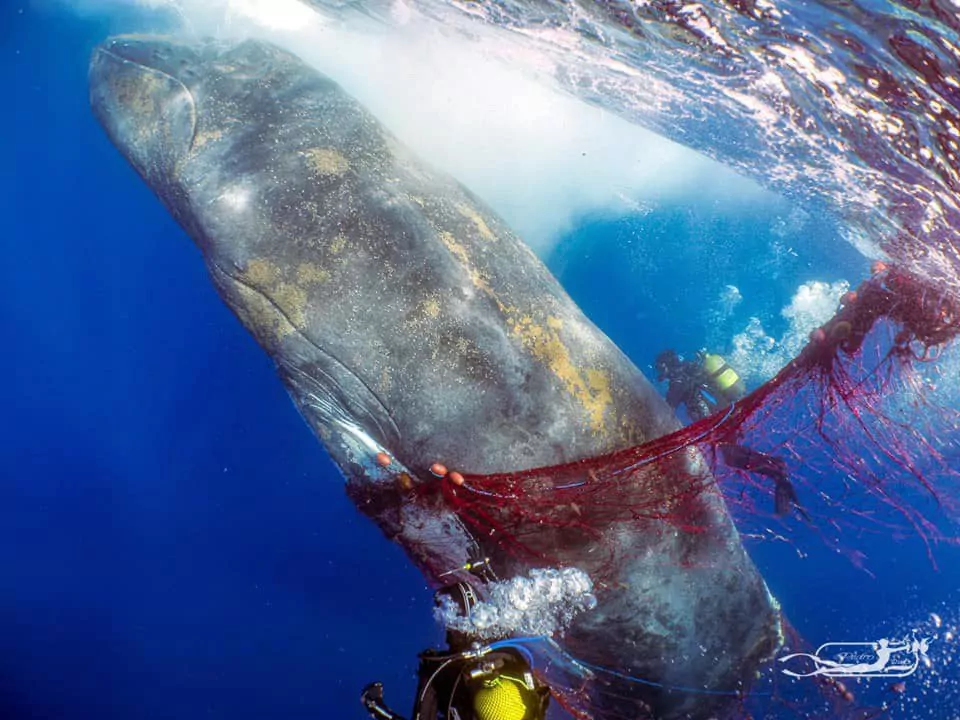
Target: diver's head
667	363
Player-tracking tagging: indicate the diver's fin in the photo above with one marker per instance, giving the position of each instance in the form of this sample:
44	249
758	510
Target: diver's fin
744	458
783	497
785	500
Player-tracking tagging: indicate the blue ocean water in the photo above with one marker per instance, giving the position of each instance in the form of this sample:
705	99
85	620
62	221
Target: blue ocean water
174	543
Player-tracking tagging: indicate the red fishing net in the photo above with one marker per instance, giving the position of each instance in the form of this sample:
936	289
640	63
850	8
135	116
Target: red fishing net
845	441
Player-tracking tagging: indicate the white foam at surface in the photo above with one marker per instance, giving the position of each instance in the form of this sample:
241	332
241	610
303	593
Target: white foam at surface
540	158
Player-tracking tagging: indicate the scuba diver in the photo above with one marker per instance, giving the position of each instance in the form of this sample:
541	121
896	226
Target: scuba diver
703	385
468	681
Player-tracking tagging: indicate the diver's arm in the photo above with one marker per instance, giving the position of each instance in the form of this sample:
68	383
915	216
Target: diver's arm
372	699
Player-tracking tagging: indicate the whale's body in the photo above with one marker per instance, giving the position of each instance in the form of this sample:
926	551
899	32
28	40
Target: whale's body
405	319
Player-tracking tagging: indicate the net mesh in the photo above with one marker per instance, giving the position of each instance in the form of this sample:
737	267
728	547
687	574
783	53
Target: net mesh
846	441
849	424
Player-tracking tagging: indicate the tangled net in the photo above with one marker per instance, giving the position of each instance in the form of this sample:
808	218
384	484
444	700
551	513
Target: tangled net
845	440
848	423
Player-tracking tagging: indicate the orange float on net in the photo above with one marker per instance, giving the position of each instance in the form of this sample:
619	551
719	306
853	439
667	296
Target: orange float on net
456	478
438	469
849	298
383	460
878	267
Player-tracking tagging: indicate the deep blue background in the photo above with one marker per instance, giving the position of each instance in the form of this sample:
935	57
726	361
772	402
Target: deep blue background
173	541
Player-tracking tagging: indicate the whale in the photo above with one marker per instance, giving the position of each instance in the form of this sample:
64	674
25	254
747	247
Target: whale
411	326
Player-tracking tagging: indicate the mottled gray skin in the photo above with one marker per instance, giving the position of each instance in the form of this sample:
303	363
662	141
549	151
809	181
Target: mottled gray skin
405	318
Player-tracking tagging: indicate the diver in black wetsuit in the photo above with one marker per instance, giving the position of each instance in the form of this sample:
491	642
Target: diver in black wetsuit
703	385
686	384
467	681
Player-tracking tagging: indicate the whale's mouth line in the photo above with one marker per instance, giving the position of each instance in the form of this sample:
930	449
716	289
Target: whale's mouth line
342	421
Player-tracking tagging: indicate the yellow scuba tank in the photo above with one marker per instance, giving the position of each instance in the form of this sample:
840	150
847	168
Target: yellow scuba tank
721	375
503	698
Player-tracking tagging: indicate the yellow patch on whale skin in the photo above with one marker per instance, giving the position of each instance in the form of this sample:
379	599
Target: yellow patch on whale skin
431	307
261	272
599	384
338	244
461	254
591	389
629	433
260	316
311	274
288	298
421	321
325	161
463	347
139	95
292	301
202	138
470	214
